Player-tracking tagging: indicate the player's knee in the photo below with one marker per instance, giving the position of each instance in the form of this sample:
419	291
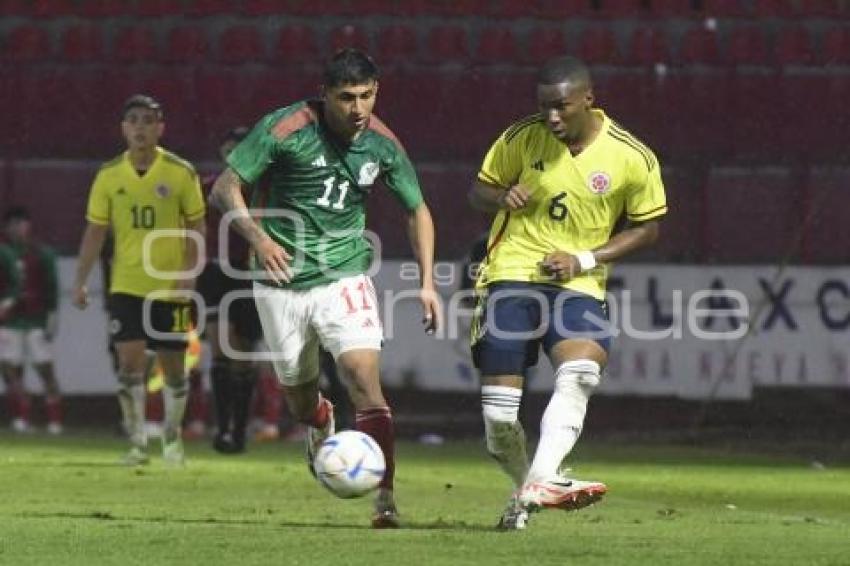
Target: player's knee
574	383
131	378
500	404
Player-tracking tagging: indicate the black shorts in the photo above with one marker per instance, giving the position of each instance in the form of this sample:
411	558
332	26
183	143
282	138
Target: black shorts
127	321
214	286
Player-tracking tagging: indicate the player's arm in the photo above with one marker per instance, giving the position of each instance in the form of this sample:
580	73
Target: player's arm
496	187
90	247
227	196
492	198
420	229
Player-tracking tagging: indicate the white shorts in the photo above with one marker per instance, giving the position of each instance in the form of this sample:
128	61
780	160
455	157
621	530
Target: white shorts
341	316
16	346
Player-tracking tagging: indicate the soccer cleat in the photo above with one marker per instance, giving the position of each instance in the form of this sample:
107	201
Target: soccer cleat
560	493
21	426
172	449
267	433
135	457
316	436
386	514
224	444
514	517
54	429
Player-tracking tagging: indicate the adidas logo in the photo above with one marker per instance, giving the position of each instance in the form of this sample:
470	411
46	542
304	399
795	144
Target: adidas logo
320	162
537	165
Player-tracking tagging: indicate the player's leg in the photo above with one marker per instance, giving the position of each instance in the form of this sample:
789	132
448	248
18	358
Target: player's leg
348	324
222	388
132	365
577	360
41	355
243	333
12	369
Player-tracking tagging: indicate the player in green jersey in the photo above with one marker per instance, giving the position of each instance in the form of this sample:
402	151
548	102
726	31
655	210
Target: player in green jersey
312	165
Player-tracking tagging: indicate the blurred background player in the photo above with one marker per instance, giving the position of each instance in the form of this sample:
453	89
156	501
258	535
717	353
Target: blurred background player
29	326
232	380
559	182
144	190
333	147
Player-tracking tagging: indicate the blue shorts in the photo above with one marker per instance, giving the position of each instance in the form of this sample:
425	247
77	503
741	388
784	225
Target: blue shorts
512	320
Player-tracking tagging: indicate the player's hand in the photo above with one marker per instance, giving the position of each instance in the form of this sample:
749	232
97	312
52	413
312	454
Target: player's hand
80	297
432	311
274	259
561	266
515	198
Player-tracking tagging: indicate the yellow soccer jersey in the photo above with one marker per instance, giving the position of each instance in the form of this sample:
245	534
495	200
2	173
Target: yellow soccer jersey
166	196
575	202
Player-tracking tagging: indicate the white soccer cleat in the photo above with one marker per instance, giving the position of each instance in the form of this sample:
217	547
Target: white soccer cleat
560	493
21	426
54	429
514	517
316	436
135	457
172	449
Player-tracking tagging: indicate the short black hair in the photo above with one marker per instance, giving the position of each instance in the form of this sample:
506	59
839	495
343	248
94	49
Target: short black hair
349	67
14	213
237	134
142	101
562	69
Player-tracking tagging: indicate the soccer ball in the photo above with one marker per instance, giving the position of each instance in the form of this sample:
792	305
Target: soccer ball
350	464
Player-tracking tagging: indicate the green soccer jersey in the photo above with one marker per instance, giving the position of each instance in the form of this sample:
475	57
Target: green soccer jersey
312	188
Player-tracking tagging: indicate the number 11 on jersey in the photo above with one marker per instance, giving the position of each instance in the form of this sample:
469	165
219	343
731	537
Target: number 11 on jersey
325	199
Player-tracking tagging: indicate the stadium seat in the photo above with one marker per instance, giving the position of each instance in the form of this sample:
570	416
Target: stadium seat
813	138
348	36
27	44
747	45
82	42
598	46
752	215
543	43
454	7
296	7
297	44
186	44
446	44
758	120
725	8
693	126
774	8
620	8
496	46
794	47
134	44
241	43
700	46
396	44
160	8
104	9
671	8
50	8
208	8
648	46
825	205
835	49
553	10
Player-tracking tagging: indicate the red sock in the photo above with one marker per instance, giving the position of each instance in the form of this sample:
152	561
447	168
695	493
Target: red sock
153	407
322	414
269	396
378	423
17	402
53	408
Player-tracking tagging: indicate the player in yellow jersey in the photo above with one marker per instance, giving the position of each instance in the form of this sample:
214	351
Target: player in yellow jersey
147	196
558	182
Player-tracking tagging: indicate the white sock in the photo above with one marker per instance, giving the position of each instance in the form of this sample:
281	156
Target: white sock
503	432
131	397
174	404
563	419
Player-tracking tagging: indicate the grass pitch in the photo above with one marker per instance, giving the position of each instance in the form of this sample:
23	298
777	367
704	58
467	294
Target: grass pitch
65	501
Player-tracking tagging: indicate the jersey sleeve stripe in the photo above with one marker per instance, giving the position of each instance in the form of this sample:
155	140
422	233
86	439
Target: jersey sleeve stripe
293	122
484	177
517	128
632	145
498	236
660	211
97	219
197	215
378	126
620	130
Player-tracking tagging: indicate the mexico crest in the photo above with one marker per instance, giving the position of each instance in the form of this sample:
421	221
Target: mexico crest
368	173
599	182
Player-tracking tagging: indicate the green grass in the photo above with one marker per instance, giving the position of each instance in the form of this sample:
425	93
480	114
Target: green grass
64	501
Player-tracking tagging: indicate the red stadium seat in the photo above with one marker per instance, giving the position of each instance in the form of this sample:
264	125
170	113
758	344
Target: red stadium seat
296	7
160	8
544	43
496	46
692	125
297	44
27	43
620	8
186	44
672	8
826	202
835	49
752	214
454	7
756	129
348	36
241	44
747	45
207	8
104	9
51	8
82	42
648	46
553	10
794	47
725	8
446	44
815	137
598	46
396	44
134	44
700	47
774	8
